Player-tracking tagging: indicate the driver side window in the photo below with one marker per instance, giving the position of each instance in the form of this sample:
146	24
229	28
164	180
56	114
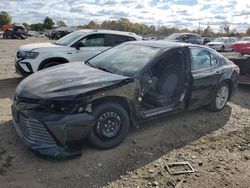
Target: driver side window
92	41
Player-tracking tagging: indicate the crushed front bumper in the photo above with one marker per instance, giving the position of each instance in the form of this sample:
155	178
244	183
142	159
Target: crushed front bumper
53	135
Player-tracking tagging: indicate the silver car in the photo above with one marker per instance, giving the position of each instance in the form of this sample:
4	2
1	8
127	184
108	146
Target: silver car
222	43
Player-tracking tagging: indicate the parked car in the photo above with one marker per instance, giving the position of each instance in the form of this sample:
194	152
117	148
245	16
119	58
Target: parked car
35	34
206	40
185	37
17	32
54	110
222	43
242	46
149	38
77	46
61	32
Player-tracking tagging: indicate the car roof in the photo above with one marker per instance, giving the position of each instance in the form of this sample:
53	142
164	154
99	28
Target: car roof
162	44
104	31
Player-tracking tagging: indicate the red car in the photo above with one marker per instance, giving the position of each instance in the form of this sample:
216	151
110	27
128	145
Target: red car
242	46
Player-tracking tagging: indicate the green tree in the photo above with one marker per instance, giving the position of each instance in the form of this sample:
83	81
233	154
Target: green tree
48	23
37	27
27	26
5	18
61	23
93	25
248	31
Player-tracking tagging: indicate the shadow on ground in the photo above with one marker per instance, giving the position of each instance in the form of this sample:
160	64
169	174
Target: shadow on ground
242	96
8	87
95	168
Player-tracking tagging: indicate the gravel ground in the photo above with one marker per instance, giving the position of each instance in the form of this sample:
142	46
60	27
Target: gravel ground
217	145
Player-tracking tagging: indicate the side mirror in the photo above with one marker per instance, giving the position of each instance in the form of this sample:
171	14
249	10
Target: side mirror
147	79
79	45
184	38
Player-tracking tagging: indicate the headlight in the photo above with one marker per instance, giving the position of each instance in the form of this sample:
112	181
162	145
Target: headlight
28	55
62	107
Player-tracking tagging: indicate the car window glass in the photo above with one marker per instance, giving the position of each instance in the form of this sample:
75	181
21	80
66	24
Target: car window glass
192	37
117	39
125	59
214	61
92	41
231	40
200	59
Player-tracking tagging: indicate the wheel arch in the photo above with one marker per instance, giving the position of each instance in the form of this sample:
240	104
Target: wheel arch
124	102
57	59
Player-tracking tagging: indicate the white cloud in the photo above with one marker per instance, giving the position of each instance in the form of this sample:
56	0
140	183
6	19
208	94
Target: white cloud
178	13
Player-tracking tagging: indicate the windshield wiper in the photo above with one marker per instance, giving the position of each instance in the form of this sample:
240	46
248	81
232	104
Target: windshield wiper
97	67
104	69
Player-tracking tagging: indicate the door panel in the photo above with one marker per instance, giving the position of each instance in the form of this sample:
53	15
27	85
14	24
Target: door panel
205	76
204	82
91	46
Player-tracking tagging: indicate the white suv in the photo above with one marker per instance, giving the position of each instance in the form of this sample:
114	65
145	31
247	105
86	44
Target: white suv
77	46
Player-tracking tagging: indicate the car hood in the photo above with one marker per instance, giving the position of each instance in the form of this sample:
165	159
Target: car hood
215	43
67	80
33	46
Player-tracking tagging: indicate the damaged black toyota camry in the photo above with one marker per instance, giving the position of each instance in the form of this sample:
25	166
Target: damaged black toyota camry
56	109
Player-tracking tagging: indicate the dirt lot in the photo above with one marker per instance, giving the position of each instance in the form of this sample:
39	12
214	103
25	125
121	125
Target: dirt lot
217	145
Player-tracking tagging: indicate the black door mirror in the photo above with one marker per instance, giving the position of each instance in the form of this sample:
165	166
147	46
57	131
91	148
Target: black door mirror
78	45
184	38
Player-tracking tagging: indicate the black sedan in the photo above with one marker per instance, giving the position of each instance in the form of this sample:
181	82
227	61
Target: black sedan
55	109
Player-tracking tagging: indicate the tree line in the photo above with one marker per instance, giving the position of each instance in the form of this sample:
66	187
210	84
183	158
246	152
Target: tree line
123	24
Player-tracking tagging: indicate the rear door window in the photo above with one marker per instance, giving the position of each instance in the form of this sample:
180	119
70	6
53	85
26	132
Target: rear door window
96	40
200	59
214	60
113	40
231	40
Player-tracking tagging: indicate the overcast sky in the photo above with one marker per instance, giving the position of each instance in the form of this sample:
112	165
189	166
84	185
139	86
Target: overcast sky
178	13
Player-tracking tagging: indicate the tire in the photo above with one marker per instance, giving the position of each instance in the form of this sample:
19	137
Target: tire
222	48
220	98
112	125
51	64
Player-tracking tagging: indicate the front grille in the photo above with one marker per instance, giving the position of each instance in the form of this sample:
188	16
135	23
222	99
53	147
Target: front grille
34	131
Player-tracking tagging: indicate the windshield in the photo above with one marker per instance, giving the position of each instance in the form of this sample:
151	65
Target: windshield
245	39
220	39
174	36
66	40
125	59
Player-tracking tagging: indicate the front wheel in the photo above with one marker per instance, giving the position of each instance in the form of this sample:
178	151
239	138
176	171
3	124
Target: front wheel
221	97
111	127
50	64
222	48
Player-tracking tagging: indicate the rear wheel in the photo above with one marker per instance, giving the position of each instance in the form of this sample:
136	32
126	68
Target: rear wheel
112	125
221	97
